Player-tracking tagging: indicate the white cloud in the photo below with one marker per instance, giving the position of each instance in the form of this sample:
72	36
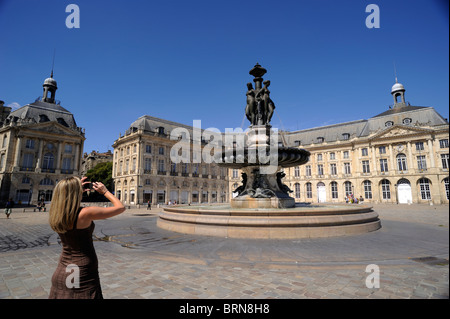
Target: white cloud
14	106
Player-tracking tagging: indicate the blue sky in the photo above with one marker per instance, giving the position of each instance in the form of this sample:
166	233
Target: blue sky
189	60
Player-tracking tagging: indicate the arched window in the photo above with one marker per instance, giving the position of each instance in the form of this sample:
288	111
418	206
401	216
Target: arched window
348	188
446	187
308	190
386	189
334	190
297	190
424	184
401	162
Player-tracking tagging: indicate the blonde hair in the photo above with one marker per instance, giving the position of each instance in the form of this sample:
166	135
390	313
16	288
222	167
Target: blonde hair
65	204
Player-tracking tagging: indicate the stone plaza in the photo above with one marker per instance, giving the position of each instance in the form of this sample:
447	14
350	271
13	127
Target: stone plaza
138	260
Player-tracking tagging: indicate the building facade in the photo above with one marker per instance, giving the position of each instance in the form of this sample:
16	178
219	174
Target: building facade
89	161
143	170
398	156
40	145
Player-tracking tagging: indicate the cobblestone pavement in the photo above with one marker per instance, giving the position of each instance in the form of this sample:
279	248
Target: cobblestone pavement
139	260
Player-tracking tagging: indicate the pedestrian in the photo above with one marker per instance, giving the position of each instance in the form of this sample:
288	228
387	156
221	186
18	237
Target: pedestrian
149	205
76	276
8	207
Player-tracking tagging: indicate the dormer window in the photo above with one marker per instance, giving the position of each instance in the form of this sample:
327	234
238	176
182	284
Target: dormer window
298	143
161	130
388	123
346	136
407	121
320	139
43	118
62	122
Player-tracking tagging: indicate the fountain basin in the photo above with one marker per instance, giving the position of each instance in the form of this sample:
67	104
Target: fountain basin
301	221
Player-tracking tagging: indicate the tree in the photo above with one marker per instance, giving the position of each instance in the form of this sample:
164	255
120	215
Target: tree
102	172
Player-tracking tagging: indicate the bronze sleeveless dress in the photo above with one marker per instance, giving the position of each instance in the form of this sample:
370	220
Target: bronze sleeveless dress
78	259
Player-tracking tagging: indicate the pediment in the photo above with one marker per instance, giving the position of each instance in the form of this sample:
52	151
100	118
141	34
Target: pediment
399	131
51	128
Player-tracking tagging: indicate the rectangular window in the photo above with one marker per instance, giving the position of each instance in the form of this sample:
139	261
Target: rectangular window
346	154
28	160
422	163
148	149
235	173
147	165
364	152
382	149
366	167
29	144
347	169
320	169
308	170
444	160
333	169
67	165
443	143
68	148
319	157
161	166
161	151
297	171
332	156
383	165
419	146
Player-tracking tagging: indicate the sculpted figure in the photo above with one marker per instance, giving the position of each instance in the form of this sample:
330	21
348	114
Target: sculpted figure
240	190
283	187
269	106
250	109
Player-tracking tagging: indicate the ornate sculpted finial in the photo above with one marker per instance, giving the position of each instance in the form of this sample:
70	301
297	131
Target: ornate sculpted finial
260	107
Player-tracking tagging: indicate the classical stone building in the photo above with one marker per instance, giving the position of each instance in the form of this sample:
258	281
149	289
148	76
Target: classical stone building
143	170
89	161
40	143
398	156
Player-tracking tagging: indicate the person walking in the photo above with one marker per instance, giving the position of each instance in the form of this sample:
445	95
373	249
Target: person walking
76	276
8	207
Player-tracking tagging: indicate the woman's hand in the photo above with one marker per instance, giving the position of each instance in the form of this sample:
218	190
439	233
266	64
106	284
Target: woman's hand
85	184
99	187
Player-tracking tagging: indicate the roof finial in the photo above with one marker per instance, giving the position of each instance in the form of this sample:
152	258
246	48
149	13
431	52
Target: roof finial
395	73
53	62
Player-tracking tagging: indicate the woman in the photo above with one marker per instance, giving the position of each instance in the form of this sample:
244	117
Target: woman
76	276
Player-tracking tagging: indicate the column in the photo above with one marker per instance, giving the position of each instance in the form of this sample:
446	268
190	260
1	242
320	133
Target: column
410	158
430	150
58	159
17	155
392	167
76	163
39	158
374	161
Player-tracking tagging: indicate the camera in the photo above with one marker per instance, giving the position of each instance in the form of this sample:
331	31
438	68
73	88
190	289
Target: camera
87	185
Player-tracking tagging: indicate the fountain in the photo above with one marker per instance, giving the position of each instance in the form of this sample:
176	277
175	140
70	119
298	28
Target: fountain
263	207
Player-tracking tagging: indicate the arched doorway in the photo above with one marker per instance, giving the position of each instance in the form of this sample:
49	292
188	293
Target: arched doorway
404	191
321	192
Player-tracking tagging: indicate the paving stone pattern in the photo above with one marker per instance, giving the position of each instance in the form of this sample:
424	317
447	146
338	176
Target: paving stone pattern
139	260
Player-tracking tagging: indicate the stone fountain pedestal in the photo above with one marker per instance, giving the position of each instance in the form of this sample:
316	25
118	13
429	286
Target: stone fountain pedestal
263	208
